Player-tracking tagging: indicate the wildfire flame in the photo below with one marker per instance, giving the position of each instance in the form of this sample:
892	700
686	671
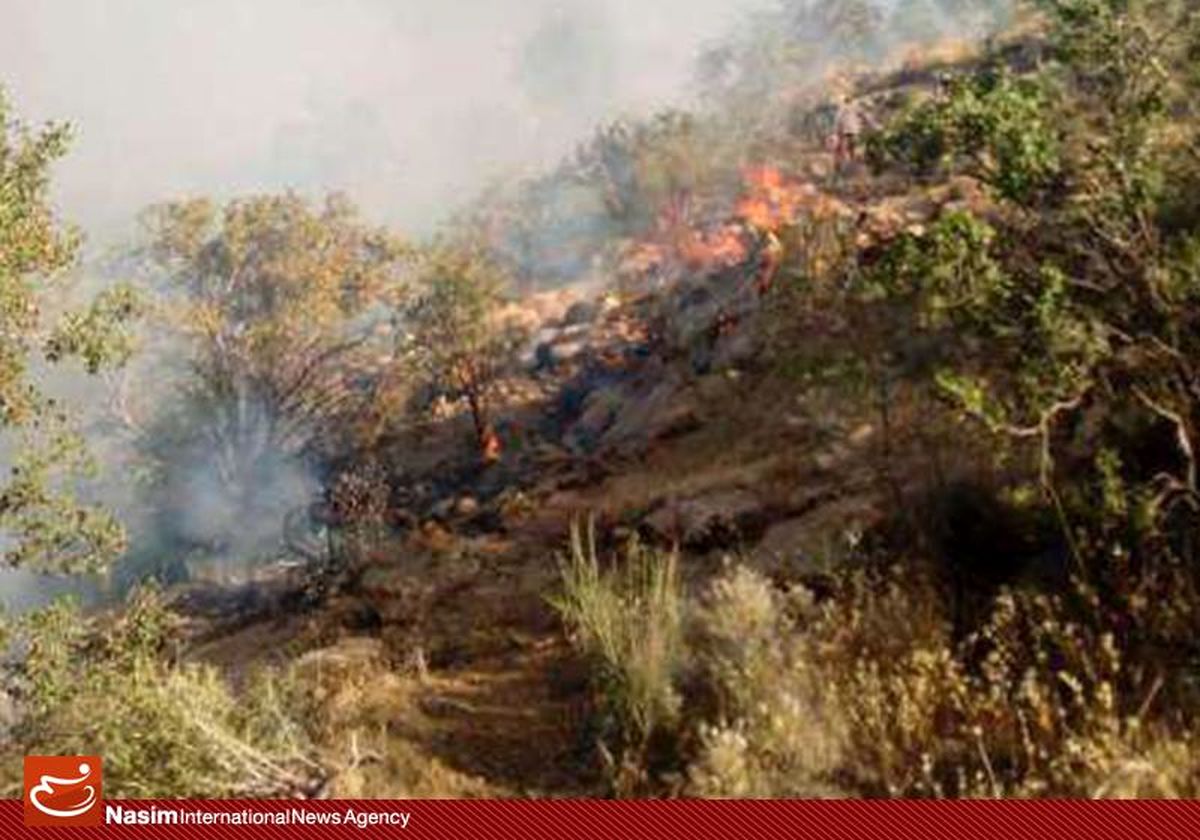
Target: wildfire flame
770	200
720	247
490	446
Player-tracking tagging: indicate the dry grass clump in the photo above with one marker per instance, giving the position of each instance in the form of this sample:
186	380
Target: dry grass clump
886	703
866	693
629	622
368	728
1054	706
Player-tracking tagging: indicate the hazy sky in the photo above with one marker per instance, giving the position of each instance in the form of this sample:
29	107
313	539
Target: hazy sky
406	104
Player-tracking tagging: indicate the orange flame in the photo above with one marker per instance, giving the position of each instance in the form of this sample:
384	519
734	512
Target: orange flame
489	446
771	200
719	247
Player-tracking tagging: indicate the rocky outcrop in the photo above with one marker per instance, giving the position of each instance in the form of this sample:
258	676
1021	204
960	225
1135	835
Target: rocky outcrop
723	519
666	409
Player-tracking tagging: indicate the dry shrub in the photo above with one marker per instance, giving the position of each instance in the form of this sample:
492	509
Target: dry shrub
773	735
369	729
868	693
763	691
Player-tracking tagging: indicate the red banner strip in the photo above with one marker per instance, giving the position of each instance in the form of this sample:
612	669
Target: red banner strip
692	819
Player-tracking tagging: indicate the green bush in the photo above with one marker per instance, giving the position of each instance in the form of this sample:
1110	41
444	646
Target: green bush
165	728
628	622
997	127
1062	304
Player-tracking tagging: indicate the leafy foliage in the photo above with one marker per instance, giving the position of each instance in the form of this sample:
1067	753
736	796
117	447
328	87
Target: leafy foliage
1052	300
45	524
628	621
165	728
272	332
277	301
993	125
456	340
1055	304
96	335
1067	306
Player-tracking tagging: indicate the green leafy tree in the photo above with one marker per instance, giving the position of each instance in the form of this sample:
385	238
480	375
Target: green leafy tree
655	170
630	178
280	305
43	522
1067	308
992	125
273	330
116	685
456	339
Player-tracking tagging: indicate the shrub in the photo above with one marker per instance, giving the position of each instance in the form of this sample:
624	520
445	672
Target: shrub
868	693
1066	317
165	728
993	125
457	341
772	733
770	693
46	525
628	622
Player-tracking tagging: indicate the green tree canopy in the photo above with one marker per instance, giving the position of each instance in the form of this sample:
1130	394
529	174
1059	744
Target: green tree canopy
278	302
43	523
457	341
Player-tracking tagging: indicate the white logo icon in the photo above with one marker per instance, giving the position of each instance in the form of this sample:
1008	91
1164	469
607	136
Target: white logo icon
46	785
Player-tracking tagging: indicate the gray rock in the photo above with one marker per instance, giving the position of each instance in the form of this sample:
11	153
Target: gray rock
581	312
444	508
558	348
817	543
735	350
693	324
599	409
546	335
793	548
667	409
721	519
568	351
575	332
467	506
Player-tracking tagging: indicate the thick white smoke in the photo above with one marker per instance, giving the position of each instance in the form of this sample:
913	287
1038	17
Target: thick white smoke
408	105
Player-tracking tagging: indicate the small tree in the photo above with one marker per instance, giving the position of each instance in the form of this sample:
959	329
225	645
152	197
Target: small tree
277	312
277	302
456	338
653	171
43	523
